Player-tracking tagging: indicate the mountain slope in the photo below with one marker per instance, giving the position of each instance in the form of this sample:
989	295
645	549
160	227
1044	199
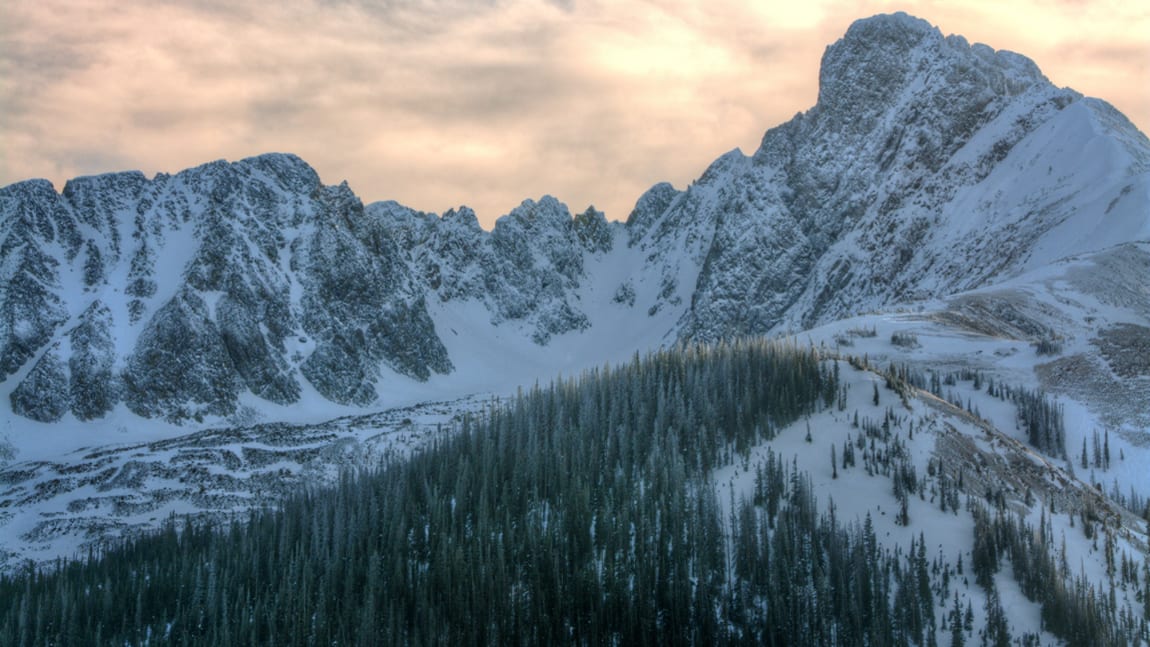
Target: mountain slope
176	294
655	471
928	167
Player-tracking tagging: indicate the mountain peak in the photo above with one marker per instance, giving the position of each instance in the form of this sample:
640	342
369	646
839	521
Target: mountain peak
882	57
885	26
87	186
32	187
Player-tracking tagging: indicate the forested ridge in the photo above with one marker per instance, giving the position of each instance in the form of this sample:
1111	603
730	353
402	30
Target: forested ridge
582	512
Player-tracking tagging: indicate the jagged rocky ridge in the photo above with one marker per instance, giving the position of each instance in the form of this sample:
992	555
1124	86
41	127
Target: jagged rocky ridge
527	268
173	295
928	167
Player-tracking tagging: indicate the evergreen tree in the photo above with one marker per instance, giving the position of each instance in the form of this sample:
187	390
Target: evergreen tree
957	637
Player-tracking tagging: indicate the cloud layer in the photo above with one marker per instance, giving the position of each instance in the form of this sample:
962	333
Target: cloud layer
437	103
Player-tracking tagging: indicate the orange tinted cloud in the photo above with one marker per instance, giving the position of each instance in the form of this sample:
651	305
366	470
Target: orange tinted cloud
447	102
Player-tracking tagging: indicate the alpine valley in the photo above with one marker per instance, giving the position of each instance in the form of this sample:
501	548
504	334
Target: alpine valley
954	250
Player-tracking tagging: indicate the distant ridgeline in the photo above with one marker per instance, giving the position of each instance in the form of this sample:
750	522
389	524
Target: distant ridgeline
578	513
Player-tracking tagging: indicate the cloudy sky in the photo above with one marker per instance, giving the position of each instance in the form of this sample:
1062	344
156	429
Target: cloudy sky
437	103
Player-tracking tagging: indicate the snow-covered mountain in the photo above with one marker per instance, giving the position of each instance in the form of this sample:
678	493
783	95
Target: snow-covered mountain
928	167
173	295
204	342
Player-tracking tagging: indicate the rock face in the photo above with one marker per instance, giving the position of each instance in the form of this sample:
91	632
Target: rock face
176	295
526	269
928	167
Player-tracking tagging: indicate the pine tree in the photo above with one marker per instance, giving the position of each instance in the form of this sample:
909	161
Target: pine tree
1106	450
997	631
957	637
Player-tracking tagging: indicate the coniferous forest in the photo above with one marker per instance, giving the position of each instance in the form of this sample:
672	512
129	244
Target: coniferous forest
578	513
